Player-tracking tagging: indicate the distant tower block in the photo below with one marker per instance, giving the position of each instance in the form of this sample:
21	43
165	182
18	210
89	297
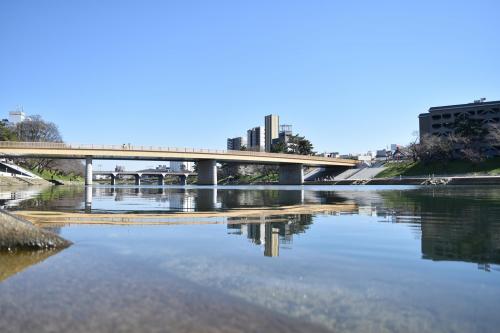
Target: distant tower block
272	124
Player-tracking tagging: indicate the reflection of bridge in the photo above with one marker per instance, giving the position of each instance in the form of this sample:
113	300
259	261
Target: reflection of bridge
290	166
114	175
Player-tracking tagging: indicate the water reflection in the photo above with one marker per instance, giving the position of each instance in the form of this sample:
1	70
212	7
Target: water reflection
454	224
269	234
349	259
12	263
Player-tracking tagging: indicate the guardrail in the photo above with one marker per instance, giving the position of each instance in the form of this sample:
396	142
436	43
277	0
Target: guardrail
126	147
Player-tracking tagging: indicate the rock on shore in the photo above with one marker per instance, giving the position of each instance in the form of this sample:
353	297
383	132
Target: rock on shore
17	234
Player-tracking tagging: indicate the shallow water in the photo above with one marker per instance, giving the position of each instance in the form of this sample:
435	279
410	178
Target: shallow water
392	259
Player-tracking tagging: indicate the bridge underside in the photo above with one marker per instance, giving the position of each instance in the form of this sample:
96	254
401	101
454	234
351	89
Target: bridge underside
291	166
289	174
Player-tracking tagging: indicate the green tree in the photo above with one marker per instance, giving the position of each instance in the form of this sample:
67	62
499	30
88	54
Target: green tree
7	133
279	147
300	145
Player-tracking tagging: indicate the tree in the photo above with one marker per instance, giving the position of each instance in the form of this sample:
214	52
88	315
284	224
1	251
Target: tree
35	129
432	149
279	147
300	145
7	133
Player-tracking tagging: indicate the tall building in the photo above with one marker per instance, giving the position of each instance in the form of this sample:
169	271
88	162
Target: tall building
236	143
255	138
440	120
272	130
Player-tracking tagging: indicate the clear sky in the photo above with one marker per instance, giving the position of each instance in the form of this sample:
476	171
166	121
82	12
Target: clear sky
349	75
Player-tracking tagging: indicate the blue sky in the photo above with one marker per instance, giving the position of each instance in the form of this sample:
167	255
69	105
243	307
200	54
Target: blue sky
349	75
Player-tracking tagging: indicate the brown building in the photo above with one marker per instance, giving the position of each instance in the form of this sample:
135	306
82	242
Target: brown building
440	120
271	130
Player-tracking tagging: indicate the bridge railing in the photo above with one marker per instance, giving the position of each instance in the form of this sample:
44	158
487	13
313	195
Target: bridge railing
127	147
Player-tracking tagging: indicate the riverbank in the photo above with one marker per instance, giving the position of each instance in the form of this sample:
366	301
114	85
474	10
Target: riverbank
18	234
21	181
457	180
489	167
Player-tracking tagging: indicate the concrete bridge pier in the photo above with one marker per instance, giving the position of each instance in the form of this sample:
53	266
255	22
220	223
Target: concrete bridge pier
138	179
88	171
183	180
207	172
88	199
113	179
161	180
291	174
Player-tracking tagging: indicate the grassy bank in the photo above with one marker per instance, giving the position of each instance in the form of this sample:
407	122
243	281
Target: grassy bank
488	167
51	174
249	179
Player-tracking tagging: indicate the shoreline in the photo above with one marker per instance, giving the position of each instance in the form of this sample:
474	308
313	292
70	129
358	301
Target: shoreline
439	180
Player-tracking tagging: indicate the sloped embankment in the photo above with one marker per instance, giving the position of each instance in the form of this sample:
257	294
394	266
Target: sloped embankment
17	234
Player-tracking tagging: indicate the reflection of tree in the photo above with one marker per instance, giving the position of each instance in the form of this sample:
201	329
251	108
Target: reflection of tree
55	198
455	225
273	198
14	262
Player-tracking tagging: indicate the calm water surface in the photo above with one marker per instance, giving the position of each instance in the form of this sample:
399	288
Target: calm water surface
379	259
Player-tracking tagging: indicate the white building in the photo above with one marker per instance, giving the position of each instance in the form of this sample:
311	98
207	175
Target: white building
17	116
180	166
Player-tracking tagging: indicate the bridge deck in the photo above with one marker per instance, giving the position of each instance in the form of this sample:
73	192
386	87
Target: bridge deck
144	173
126	152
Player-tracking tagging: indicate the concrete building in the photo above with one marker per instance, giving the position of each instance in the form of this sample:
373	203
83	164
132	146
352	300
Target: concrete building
284	135
440	120
256	138
180	166
236	143
17	116
271	130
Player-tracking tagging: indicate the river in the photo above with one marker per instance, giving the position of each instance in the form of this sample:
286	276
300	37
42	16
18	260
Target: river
256	259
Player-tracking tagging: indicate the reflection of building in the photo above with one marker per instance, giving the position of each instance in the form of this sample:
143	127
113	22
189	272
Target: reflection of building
255	232
180	166
271	246
181	201
264	232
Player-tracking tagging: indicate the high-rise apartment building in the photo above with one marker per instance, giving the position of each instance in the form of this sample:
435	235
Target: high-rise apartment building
256	138
236	143
271	130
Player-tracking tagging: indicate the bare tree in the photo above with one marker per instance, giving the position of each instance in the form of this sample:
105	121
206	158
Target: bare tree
35	129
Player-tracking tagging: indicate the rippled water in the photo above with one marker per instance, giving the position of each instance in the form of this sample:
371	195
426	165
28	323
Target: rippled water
305	259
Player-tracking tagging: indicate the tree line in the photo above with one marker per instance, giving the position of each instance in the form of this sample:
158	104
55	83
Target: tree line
36	129
296	144
470	140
